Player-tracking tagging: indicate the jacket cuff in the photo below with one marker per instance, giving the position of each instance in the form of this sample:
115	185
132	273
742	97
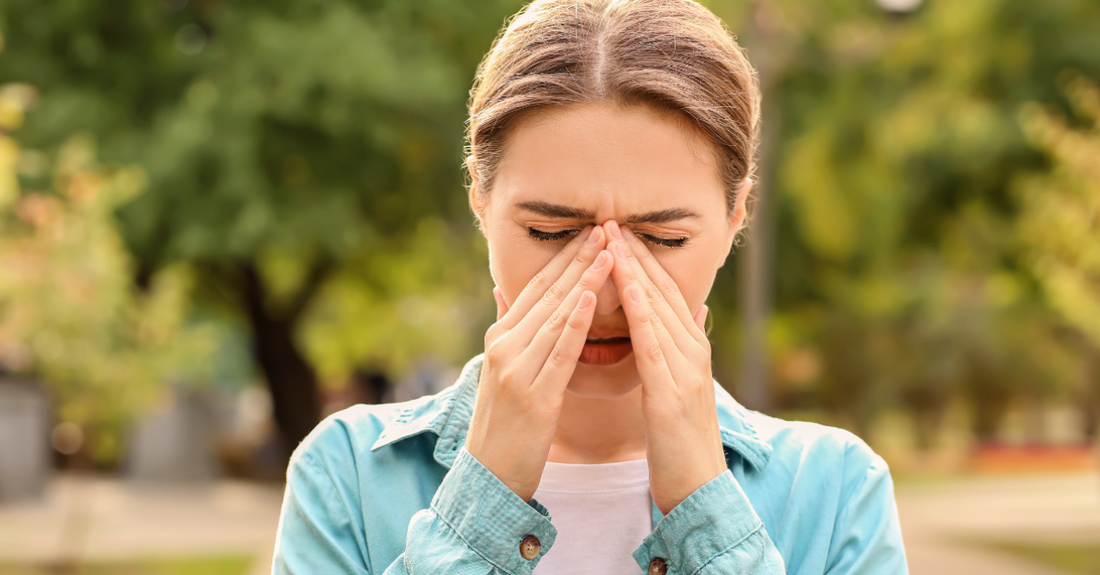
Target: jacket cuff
714	519
490	517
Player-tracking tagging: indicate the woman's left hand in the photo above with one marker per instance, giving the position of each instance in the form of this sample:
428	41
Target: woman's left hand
671	350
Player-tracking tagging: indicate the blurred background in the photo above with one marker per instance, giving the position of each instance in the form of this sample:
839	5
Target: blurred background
221	221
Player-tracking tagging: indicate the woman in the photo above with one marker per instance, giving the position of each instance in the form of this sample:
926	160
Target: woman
610	154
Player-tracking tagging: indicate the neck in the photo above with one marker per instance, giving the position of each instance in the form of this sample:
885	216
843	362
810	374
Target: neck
600	430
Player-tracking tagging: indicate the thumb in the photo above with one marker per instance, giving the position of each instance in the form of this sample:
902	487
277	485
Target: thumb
502	306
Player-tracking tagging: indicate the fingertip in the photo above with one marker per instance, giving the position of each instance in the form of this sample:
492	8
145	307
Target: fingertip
701	316
595	235
502	306
587	299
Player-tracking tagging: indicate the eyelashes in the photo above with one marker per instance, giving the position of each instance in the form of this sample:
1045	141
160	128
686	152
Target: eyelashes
544	236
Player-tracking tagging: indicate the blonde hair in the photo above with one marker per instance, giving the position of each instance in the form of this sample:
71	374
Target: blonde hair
673	55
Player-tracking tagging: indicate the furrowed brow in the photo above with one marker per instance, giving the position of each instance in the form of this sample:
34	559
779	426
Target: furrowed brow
556	210
567	212
661	216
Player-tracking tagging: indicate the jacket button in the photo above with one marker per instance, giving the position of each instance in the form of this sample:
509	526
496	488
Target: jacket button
530	547
658	566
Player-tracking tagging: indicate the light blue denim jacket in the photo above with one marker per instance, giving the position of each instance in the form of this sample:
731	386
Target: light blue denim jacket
391	489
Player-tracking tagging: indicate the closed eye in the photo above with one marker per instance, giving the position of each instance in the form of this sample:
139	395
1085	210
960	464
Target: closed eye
544	236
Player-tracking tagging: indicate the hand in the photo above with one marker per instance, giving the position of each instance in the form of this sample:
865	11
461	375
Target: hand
530	354
671	350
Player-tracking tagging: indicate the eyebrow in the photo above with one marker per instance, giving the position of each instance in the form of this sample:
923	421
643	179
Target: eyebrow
566	212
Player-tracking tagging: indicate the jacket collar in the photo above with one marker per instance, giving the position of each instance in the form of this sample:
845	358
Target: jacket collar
447	415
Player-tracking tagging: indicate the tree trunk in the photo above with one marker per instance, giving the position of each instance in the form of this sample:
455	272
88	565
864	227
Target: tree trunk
290	377
755	260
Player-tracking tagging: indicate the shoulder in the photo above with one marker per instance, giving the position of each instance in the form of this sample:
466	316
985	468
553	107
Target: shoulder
347	436
832	457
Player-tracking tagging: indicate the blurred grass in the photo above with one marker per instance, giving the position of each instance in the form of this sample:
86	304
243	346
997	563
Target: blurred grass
1078	559
221	565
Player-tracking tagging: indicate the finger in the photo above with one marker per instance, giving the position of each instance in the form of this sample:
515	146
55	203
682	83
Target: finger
651	357
560	363
629	272
502	306
701	317
662	281
538	338
555	279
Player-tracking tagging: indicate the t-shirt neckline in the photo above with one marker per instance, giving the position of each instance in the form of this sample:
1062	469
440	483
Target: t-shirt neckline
594	477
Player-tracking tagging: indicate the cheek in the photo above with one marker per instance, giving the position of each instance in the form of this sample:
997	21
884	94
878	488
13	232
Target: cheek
514	263
693	273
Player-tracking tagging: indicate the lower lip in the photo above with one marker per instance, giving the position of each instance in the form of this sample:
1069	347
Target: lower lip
605	353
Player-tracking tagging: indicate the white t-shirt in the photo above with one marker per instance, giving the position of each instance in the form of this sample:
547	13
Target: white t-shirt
602	513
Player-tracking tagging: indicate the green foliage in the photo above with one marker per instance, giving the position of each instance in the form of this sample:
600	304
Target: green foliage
69	313
1060	223
285	135
931	207
899	260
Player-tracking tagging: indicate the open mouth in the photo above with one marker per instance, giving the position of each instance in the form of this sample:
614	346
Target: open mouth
605	350
599	340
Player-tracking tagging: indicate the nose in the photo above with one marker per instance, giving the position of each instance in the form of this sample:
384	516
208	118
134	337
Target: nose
607	299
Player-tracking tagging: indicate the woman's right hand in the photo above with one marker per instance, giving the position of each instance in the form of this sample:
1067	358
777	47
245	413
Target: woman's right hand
530	354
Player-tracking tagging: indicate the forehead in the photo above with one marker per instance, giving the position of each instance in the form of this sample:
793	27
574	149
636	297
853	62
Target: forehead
611	159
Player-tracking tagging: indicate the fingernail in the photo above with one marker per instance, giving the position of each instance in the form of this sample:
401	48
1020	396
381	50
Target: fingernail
594	237
634	295
615	232
586	299
629	235
585	234
619	250
600	260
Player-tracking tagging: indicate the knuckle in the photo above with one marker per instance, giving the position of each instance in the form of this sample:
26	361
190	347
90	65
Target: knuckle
553	293
654	353
508	377
557	355
701	359
556	319
670	286
653	292
493	350
538	280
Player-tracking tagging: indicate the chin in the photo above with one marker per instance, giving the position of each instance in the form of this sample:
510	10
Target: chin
604	381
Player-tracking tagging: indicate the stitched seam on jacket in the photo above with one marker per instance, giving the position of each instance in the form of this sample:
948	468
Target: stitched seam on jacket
727	549
467	541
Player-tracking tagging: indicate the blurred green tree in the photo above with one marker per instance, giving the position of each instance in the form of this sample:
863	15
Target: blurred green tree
1060	223
290	146
896	259
69	313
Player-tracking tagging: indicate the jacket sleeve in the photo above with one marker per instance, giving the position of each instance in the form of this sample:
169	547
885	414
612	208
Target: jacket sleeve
715	531
474	526
867	538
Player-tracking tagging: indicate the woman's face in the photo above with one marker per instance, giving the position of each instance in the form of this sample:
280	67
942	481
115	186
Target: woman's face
565	168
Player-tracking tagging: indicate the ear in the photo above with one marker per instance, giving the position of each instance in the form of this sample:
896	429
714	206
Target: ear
740	212
474	195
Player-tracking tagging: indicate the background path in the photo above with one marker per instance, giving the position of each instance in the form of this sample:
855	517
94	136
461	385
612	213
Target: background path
941	520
